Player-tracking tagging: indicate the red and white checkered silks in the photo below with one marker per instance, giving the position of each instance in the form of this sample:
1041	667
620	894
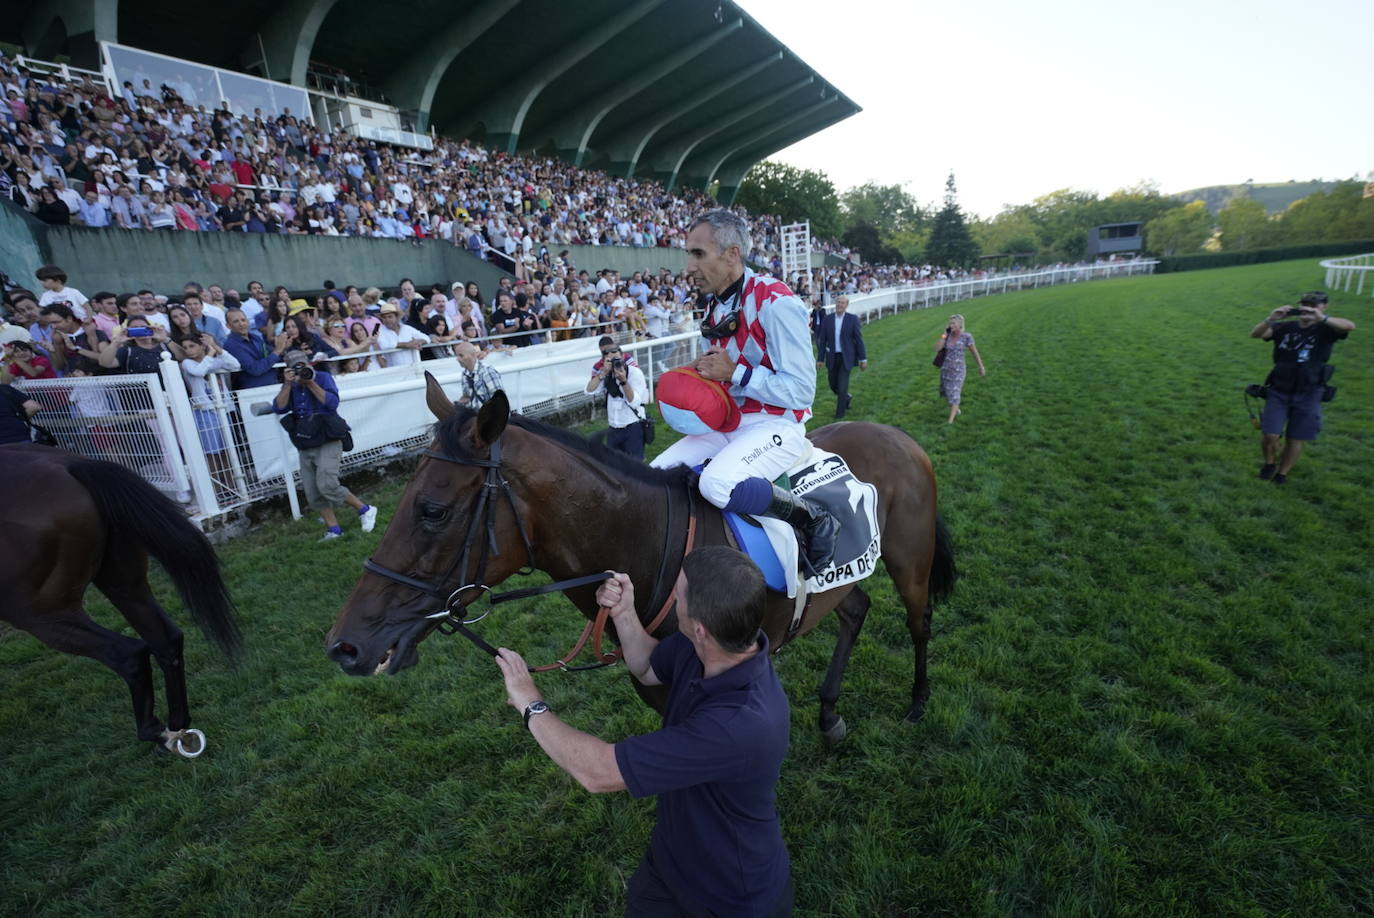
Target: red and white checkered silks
749	346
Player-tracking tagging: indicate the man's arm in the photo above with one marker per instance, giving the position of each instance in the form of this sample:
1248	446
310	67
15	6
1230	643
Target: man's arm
792	382
1265	329
248	356
1340	325
859	348
637	645
590	761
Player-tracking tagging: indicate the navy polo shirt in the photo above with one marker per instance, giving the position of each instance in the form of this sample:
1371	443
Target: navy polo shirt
714	767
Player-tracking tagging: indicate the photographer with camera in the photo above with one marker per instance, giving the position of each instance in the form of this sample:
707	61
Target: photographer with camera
1303	336
309	401
623	385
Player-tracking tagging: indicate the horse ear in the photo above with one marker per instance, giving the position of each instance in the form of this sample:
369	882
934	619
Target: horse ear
438	401
492	417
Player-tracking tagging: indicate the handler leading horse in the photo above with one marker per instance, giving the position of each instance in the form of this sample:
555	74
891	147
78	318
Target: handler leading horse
71	522
497	492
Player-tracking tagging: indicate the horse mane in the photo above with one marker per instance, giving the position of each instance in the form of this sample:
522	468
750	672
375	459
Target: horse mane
449	430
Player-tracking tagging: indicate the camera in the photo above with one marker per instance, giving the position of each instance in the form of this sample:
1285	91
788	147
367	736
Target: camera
617	363
304	371
1294	311
140	331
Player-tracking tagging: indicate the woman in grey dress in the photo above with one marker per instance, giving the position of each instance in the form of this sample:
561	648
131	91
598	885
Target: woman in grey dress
956	340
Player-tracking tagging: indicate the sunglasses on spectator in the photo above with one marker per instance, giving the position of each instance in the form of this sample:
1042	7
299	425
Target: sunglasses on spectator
614	350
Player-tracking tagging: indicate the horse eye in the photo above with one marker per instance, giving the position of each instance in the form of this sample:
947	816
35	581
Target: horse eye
433	513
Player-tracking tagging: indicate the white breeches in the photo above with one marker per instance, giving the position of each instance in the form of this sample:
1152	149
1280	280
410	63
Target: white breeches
763	446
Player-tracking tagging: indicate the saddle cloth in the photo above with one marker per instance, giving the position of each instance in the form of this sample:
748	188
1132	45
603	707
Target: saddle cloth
772	544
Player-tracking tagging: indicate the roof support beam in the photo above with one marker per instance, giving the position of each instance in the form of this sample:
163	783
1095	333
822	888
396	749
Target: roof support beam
574	132
412	87
668	162
284	42
731	175
505	116
708	163
626	147
80	25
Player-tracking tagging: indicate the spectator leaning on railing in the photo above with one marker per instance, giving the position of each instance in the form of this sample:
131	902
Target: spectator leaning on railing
255	357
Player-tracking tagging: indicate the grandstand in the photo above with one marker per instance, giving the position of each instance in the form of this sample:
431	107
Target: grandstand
690	92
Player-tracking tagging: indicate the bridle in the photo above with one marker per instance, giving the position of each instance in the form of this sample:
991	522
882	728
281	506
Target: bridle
451	616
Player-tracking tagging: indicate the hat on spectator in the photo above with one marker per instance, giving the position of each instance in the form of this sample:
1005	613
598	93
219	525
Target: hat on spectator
294	356
457	285
298	306
389	307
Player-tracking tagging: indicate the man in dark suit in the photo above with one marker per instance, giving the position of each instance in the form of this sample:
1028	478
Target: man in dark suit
841	343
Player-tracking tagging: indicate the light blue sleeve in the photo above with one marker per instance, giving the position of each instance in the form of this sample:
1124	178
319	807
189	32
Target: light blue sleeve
792	381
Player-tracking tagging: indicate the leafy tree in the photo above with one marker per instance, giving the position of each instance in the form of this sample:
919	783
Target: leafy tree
864	238
1245	225
889	208
1011	231
1181	231
951	243
911	244
1329	216
795	195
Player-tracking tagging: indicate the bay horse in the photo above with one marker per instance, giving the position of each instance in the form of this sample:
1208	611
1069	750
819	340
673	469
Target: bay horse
522	493
71	522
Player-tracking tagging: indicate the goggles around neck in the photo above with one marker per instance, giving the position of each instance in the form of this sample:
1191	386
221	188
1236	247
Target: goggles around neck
725	328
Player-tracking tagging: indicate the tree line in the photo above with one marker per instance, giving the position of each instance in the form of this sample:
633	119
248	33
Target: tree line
886	225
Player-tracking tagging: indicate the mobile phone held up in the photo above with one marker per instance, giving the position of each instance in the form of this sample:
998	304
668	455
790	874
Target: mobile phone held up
140	331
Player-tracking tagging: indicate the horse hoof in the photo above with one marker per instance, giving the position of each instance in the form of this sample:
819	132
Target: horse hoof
838	730
195	747
914	715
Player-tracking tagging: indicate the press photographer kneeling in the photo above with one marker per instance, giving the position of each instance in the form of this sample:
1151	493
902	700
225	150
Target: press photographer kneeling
309	399
1297	385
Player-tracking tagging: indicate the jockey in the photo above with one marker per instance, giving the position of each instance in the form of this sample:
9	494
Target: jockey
760	343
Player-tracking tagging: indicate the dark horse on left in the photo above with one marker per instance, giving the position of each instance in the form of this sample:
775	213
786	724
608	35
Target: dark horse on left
496	492
70	522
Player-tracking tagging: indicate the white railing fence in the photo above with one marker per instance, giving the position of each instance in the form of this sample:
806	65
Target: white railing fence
1342	272
225	450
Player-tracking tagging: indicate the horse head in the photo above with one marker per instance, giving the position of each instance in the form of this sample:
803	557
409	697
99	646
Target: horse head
447	516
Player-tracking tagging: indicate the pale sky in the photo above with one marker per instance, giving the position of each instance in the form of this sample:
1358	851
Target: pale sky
1024	98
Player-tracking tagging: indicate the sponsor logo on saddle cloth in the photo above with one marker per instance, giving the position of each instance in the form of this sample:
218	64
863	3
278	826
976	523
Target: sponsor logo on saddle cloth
825	478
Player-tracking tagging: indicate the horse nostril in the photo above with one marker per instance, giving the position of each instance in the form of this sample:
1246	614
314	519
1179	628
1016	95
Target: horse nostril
343	652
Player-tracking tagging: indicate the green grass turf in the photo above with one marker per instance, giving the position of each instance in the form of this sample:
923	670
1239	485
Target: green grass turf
1151	690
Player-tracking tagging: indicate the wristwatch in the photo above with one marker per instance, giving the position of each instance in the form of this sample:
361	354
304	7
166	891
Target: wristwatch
533	708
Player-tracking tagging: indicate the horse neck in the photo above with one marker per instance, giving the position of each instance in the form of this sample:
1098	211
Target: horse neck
585	517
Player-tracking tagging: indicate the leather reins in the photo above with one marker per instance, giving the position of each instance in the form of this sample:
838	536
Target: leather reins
451	615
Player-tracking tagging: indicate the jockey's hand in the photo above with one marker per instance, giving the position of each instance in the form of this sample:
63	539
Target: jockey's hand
617	594
716	364
520	689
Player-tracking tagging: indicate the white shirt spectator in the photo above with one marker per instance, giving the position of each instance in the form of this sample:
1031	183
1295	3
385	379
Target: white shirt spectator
656	319
68	296
387	339
195	371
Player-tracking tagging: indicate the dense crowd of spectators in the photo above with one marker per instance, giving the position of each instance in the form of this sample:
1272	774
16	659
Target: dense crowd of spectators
70	153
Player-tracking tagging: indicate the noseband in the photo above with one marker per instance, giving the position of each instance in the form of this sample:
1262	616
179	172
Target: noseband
451	614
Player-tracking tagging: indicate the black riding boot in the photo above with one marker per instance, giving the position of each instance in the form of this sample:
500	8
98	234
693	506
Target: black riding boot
816	526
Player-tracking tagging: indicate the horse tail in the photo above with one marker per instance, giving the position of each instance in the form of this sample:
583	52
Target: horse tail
136	510
943	572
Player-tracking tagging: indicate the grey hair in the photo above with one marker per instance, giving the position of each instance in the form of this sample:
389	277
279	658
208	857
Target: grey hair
727	229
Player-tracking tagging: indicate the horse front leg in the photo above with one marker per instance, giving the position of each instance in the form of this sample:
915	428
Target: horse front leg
852	611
